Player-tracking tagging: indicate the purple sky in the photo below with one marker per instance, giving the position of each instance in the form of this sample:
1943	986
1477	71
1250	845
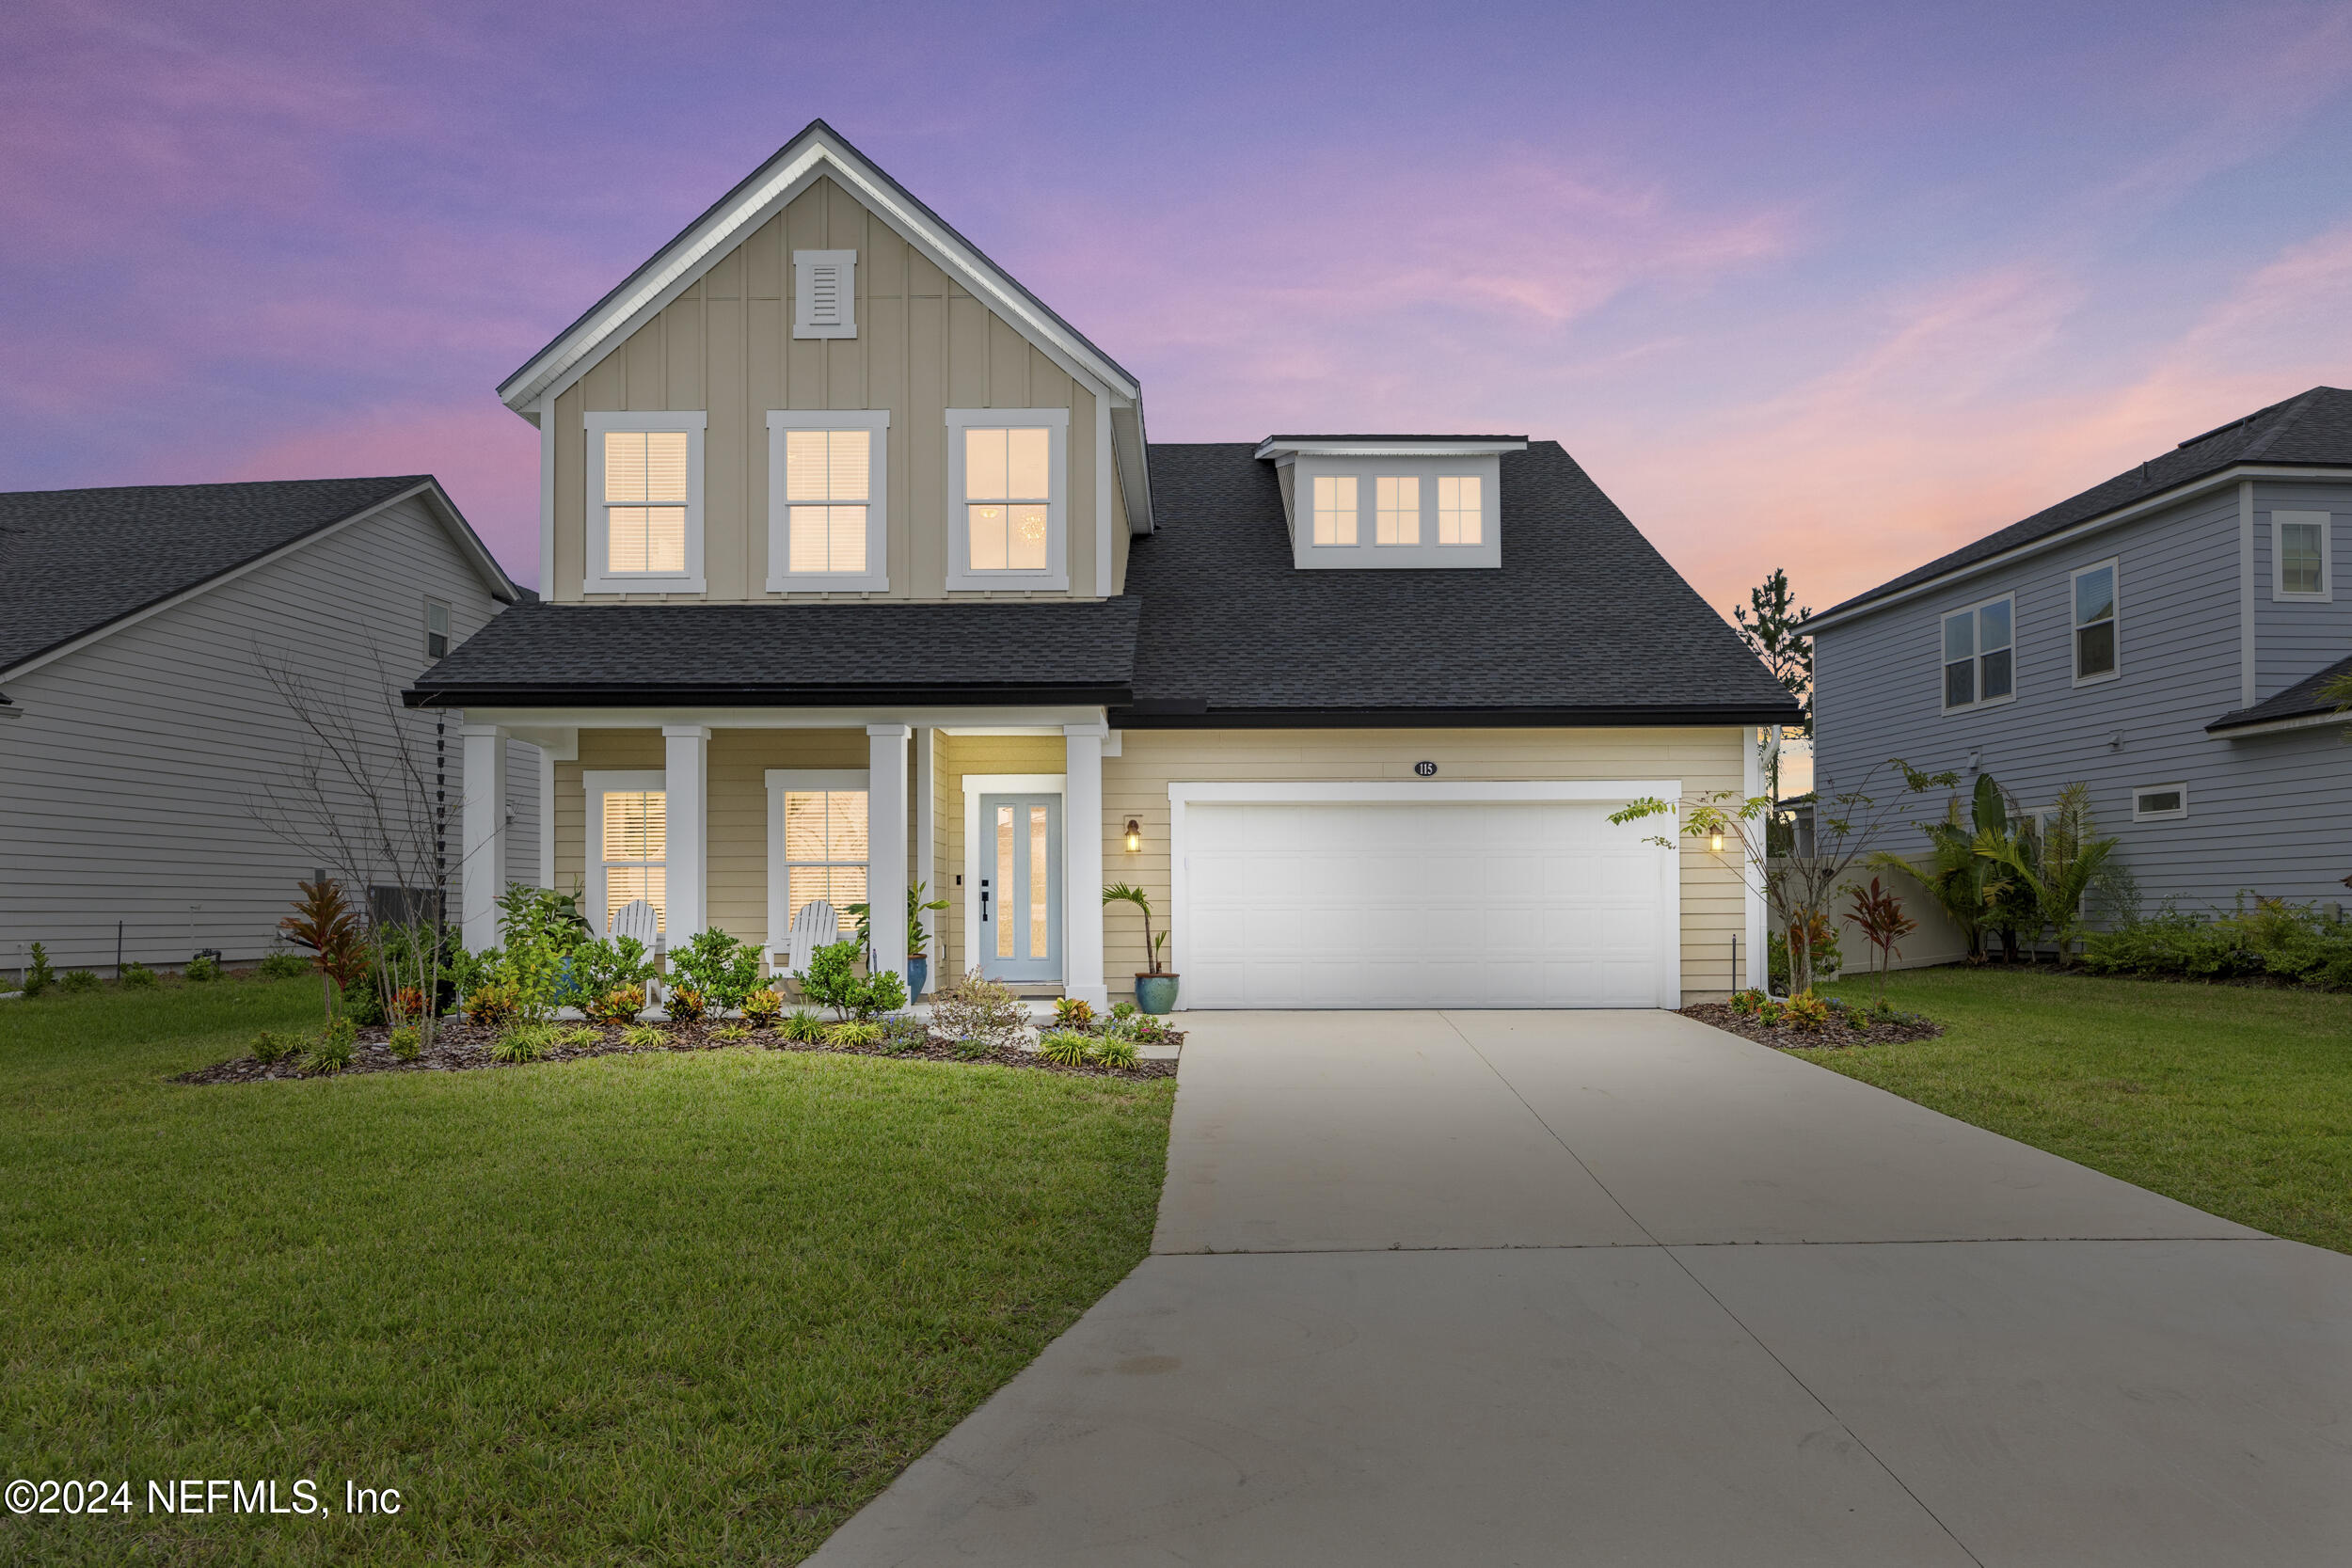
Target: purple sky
1834	286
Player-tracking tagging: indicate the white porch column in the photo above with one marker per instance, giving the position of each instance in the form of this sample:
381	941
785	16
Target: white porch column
886	843
1082	863
481	862
925	866
686	790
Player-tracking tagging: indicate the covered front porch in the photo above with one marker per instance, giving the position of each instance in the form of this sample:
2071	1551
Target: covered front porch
735	818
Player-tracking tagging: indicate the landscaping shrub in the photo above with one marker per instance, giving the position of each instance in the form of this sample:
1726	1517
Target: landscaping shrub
1117	1052
523	1042
1120	1010
492	1007
970	1050
722	971
363	1003
685	1005
2299	943
407	1044
832	979
856	1034
1747	1000
579	1037
331	1050
644	1036
1072	1012
1770	1011
803	1027
762	1007
1828	961
268	1046
977	1009
78	980
408	1003
621	1005
38	975
1064	1047
137	977
731	1032
203	969
284	965
1806	1012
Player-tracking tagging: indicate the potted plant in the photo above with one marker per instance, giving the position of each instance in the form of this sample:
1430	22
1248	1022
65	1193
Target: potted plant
1156	988
919	940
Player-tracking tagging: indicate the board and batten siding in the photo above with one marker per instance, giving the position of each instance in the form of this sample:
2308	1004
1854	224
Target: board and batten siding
724	346
2269	814
135	786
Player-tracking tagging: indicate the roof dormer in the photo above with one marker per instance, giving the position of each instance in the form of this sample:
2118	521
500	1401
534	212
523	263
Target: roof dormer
1391	502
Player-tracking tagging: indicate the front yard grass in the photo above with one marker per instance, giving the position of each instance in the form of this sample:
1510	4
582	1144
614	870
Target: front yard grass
2237	1099
663	1309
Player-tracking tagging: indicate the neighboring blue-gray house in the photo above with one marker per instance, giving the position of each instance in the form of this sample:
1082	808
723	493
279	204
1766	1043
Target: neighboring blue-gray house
2162	637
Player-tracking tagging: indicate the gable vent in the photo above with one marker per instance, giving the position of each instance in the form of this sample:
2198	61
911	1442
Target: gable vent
825	293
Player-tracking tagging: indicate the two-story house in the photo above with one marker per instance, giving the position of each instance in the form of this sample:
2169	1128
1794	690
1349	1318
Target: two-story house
861	572
2163	637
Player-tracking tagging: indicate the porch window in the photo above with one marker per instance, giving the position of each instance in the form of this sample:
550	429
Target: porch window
636	845
824	851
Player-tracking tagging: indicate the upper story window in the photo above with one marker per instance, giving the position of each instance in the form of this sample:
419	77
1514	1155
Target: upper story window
2298	548
1007	487
2094	622
436	629
1335	509
1461	516
828	489
644	503
1980	654
1397	506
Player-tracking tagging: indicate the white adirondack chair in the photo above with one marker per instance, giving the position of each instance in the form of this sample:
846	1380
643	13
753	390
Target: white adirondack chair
813	927
637	919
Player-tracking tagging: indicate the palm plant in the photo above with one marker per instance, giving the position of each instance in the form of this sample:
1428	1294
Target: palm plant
1128	893
324	923
1960	880
2049	873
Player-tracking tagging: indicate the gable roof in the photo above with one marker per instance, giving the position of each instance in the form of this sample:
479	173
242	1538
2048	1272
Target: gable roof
2300	701
73	562
818	150
2310	430
1585	622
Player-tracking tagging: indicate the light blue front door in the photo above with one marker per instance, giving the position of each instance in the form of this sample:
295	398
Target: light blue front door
1019	862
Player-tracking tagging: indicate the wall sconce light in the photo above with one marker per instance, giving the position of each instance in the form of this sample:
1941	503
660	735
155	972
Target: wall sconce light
1715	842
1135	837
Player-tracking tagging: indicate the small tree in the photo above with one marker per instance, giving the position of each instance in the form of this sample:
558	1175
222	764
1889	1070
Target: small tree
1878	915
323	923
1127	892
1771	624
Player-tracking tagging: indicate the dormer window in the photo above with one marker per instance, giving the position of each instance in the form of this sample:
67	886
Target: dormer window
1007	489
1433	500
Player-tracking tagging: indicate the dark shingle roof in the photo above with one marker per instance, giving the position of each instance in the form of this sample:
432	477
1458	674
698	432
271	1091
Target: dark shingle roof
793	653
75	561
1584	622
1369	438
2298	700
2311	430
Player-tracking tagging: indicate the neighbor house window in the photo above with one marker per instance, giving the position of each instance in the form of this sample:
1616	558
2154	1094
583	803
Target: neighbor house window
1396	510
1461	518
1335	509
436	629
2299	546
1006	525
644	513
2094	622
824	851
827	495
2153	802
1980	654
628	843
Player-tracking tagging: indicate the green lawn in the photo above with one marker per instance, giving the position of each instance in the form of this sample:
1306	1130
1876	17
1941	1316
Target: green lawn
667	1308
2236	1100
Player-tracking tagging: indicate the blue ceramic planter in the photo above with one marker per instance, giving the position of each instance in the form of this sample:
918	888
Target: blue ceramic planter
1157	994
919	970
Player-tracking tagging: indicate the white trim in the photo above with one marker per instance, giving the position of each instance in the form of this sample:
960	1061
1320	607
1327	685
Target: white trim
544	419
1184	794
777	780
686	837
2074	627
1082	955
595	783
547	818
925	867
2279	519
600	578
814	153
1039	720
2273	726
804	322
1105	583
1277	447
2246	681
2139	790
1830	619
960	578
876	577
482	833
975	785
1976	633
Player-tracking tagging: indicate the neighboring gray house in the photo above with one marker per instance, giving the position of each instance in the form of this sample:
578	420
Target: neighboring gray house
140	732
2162	637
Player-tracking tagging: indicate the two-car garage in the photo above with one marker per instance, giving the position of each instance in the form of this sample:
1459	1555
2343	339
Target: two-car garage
1388	895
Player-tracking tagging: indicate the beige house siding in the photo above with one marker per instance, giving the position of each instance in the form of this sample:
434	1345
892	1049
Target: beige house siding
725	346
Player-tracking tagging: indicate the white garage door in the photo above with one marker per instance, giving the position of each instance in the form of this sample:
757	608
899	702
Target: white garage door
1452	904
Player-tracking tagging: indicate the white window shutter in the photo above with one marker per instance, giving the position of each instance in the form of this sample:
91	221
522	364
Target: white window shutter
825	293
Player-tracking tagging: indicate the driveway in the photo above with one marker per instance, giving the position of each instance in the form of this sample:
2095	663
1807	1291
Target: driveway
1616	1287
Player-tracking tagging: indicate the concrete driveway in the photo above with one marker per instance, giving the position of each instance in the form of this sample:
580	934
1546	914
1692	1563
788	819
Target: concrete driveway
1616	1287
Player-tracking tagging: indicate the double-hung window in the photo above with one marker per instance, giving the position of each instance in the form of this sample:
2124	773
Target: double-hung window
816	843
628	843
644	503
2093	590
1396	510
2298	548
1461	516
828	501
1007	498
1980	654
1335	509
436	629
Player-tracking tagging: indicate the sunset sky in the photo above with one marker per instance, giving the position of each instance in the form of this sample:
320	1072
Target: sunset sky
1828	287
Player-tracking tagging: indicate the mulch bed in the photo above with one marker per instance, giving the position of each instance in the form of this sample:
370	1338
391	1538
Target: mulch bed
1838	1031
461	1047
